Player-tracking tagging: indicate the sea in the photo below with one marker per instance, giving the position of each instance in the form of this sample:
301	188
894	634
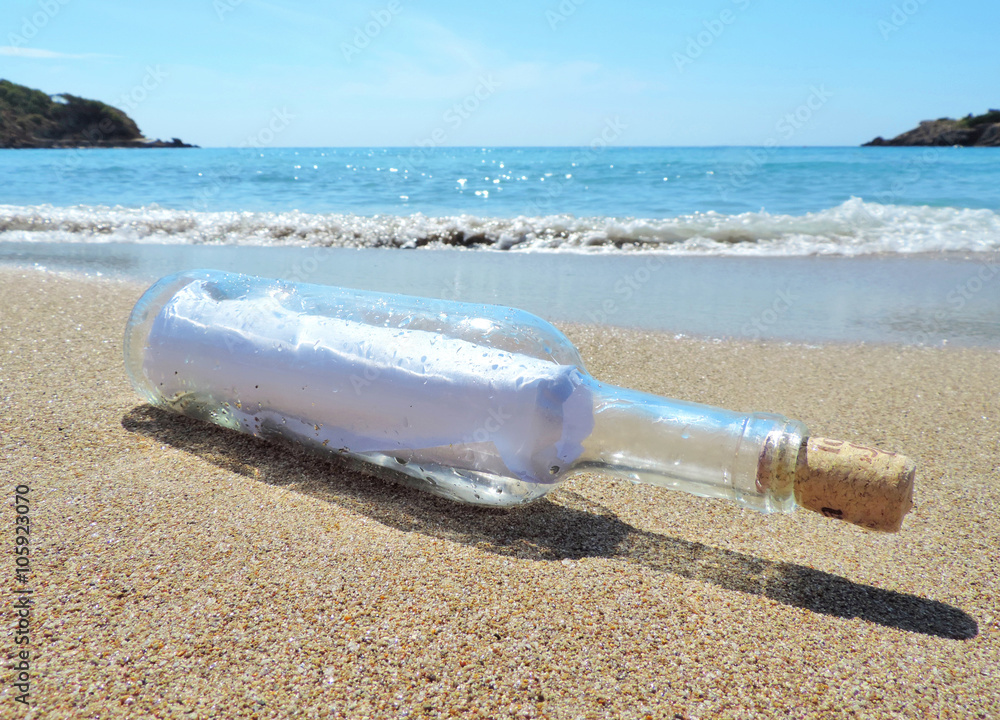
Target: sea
730	241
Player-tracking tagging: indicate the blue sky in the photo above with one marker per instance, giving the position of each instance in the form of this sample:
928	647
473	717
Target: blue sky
401	72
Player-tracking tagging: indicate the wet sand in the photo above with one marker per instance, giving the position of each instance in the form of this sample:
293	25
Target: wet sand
909	299
181	570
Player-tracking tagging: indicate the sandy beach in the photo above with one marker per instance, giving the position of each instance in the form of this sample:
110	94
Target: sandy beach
181	570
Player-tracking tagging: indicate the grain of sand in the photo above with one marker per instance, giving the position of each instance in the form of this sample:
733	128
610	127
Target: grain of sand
182	570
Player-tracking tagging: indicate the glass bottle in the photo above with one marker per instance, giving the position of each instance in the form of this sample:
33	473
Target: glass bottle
478	403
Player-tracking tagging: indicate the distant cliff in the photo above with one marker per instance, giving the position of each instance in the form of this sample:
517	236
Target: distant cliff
31	119
981	130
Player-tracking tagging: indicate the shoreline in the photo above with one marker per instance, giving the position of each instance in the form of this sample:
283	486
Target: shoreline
923	299
181	568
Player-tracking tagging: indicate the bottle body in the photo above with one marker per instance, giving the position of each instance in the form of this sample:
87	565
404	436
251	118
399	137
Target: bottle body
478	403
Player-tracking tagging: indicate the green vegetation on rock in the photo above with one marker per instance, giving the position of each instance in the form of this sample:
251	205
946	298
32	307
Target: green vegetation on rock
987	118
972	130
31	119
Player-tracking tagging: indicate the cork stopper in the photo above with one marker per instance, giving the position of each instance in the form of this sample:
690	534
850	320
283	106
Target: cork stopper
858	484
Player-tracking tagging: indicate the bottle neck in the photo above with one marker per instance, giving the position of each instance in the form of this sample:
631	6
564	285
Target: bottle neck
706	451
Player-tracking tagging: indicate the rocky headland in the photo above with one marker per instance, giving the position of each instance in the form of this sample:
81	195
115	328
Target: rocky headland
972	130
32	119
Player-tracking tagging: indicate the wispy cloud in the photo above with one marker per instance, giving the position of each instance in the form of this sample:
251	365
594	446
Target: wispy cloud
397	76
426	60
39	54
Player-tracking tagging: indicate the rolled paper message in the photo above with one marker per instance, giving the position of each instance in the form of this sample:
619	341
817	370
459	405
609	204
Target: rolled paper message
478	403
854	483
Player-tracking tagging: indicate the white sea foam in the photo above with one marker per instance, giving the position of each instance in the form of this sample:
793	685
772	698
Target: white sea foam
852	228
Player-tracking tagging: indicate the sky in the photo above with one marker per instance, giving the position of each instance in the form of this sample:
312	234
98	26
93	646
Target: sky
552	72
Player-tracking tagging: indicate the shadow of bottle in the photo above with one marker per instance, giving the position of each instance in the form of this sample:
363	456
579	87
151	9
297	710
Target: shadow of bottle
569	526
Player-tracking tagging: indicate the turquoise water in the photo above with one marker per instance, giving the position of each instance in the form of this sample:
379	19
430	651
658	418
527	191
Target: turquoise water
760	201
907	240
505	182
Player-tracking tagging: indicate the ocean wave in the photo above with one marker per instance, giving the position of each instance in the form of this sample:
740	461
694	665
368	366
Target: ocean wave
853	228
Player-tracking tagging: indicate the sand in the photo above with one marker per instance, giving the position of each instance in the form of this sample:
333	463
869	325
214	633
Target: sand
181	570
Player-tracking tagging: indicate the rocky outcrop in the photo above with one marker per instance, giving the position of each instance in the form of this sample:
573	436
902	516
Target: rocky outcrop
31	119
980	130
990	136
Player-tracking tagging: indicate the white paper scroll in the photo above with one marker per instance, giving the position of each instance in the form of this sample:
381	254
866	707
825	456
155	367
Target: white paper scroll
362	388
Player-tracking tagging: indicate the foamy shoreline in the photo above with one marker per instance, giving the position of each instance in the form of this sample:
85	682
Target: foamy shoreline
182	569
855	227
